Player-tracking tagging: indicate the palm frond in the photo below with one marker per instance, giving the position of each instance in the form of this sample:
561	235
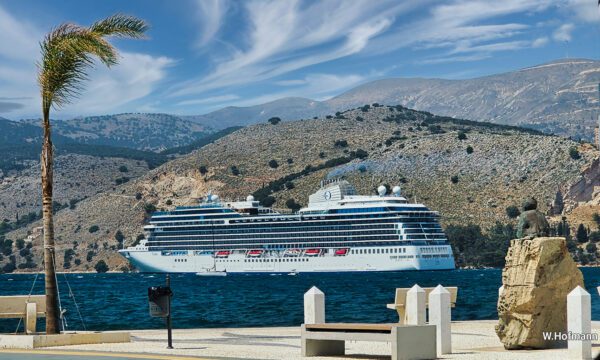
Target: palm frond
69	50
120	25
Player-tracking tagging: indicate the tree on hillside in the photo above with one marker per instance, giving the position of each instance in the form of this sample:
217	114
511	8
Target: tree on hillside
582	235
596	218
512	211
274	120
68	51
101	266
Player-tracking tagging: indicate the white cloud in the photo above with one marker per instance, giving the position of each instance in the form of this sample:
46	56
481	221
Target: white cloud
585	10
209	100
108	90
540	42
212	13
283	36
563	33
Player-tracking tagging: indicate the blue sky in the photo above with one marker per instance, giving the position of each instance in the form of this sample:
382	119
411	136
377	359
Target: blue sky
207	54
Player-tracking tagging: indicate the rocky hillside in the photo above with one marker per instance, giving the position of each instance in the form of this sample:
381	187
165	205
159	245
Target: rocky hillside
151	132
75	177
470	172
559	97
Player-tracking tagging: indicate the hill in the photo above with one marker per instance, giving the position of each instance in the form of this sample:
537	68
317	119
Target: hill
470	172
559	97
149	132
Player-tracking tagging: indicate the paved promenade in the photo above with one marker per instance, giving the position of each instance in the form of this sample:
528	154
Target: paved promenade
471	340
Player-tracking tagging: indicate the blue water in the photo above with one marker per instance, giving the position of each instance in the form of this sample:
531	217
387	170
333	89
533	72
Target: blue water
119	301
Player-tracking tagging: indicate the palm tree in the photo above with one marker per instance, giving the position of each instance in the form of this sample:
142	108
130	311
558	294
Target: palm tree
68	52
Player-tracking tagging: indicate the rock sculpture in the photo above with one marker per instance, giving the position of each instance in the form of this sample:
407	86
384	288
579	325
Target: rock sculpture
538	275
532	222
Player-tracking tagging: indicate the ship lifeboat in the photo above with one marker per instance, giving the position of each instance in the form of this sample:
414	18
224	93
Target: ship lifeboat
292	252
222	254
341	252
312	252
255	253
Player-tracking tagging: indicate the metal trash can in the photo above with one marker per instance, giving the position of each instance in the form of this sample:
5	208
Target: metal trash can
159	301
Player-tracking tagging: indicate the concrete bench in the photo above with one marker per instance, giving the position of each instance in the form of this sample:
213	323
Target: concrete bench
409	342
400	301
23	307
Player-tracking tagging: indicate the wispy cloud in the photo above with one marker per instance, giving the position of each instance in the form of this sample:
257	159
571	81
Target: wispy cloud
212	13
209	100
539	42
284	36
563	33
108	90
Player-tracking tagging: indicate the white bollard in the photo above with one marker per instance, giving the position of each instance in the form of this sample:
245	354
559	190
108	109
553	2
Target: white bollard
579	323
415	306
598	288
500	290
314	306
440	316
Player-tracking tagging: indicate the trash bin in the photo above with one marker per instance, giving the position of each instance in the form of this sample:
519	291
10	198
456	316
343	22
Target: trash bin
159	300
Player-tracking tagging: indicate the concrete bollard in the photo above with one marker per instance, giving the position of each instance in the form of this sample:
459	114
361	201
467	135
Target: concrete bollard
440	316
415	306
314	306
579	323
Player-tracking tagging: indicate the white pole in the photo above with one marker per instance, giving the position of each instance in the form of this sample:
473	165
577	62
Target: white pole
579	324
440	316
415	306
314	306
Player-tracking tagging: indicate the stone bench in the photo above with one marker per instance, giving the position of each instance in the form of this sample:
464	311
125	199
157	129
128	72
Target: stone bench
409	342
23	307
400	301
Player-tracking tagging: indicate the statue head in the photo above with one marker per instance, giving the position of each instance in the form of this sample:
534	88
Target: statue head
529	204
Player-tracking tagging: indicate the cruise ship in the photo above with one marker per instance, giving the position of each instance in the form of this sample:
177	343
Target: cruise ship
339	231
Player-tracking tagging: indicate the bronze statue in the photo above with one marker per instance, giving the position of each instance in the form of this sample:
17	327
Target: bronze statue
531	222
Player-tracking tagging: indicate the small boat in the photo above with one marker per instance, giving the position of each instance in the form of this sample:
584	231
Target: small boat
312	252
255	253
341	252
293	273
209	272
222	254
292	252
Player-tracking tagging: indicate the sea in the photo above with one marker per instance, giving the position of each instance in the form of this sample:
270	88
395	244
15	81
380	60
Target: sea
114	301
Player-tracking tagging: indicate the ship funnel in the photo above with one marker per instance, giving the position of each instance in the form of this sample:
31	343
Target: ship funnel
381	190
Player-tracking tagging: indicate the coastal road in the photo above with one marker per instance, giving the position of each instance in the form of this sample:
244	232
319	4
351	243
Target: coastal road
87	355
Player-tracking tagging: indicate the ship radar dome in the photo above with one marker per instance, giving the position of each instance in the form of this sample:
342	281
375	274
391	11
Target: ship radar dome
396	190
250	198
381	190
214	197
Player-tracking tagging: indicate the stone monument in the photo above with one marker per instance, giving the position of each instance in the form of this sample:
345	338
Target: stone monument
538	275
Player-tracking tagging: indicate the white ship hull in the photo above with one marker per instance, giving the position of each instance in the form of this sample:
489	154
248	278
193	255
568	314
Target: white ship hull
359	259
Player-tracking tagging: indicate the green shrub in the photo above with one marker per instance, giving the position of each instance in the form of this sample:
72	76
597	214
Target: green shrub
119	237
273	164
123	169
101	267
512	211
292	205
469	149
203	170
462	135
274	120
93	229
149	208
591	248
574	153
341	143
234	170
454	179
138	196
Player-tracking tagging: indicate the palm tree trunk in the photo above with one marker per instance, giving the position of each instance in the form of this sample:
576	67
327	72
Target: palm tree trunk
52	311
